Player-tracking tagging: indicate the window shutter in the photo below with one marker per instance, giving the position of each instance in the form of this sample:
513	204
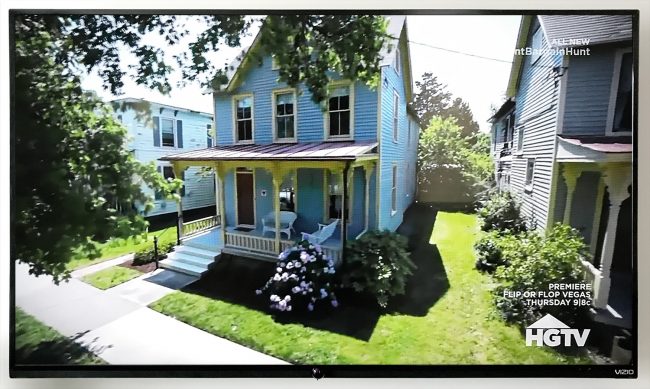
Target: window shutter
179	133
183	187
158	194
156	132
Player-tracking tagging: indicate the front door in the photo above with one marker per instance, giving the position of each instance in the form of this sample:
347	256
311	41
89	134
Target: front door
245	198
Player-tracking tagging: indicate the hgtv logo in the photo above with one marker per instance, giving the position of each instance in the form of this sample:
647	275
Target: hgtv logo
549	331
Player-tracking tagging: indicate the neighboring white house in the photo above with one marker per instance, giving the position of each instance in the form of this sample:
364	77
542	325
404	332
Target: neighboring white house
174	129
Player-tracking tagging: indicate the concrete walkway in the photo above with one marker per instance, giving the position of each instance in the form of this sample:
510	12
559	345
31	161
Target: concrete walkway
101	266
117	325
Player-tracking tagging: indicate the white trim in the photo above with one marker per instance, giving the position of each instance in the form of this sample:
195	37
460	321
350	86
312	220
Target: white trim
613	93
274	94
234	118
378	167
237	224
394	171
326	121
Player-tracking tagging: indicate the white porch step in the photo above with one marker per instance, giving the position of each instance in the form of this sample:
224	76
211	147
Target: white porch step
183	267
191	259
197	252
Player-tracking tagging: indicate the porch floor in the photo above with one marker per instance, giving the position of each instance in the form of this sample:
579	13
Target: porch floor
212	238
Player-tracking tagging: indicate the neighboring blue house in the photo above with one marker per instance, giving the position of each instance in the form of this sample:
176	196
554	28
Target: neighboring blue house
286	166
562	143
174	129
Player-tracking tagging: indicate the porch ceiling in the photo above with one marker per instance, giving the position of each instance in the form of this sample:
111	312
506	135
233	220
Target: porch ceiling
311	151
594	149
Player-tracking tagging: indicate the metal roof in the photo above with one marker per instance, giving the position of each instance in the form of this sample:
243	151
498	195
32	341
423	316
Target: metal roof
312	151
603	144
586	30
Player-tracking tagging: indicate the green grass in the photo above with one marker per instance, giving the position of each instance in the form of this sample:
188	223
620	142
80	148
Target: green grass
39	344
462	327
110	277
115	248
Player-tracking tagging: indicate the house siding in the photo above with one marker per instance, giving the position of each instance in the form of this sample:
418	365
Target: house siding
394	153
589	82
261	80
536	110
199	187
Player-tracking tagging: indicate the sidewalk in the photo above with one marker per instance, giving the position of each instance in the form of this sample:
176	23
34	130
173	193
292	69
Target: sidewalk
117	325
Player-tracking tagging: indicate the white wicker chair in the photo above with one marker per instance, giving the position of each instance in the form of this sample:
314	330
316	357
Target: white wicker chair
287	219
323	233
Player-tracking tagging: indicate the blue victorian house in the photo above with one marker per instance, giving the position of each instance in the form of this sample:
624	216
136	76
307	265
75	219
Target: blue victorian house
290	169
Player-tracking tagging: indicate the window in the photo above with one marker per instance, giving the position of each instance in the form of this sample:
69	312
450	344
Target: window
285	117
339	112
624	97
209	134
274	63
537	45
168	173
287	194
395	116
530	174
393	192
335	184
167	132
520	138
244	119
398	61
119	119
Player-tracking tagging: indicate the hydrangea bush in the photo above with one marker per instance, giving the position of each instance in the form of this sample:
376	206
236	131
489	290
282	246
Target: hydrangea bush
303	280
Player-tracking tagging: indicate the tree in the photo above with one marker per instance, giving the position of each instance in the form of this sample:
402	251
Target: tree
433	100
447	157
75	182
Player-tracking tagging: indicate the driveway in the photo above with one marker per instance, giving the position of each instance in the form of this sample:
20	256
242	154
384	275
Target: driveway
117	325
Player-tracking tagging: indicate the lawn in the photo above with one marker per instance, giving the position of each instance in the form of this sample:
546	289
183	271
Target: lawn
115	248
39	344
110	277
447	316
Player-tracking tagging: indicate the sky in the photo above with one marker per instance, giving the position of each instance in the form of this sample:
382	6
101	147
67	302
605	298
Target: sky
478	81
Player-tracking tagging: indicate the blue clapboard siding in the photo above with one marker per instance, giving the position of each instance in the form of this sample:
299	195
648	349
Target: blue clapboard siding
261	81
589	82
536	110
199	187
395	153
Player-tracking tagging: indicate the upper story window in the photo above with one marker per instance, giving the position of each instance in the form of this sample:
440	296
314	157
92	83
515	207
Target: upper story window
509	127
244	118
167	132
395	116
520	138
393	191
623	108
285	115
274	63
339	115
209	136
398	61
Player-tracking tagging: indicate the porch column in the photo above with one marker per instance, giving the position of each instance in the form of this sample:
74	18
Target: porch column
277	181
617	178
571	175
347	174
220	171
178	172
368	169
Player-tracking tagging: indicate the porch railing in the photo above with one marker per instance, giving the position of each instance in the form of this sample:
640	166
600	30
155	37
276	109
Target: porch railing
196	226
266	246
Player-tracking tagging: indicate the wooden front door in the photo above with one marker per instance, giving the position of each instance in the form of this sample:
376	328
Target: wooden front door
245	199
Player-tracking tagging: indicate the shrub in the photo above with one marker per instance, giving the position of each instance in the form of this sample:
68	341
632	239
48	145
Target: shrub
535	261
488	252
303	280
146	255
501	212
378	263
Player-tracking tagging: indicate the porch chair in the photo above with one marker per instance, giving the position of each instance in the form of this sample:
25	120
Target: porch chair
287	219
323	233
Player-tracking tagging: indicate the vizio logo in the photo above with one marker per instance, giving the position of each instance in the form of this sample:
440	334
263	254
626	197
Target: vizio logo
549	331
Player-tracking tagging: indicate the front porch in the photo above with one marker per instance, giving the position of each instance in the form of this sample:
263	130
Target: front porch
593	195
269	195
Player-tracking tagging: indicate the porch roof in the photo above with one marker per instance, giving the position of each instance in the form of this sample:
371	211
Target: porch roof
310	151
603	144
